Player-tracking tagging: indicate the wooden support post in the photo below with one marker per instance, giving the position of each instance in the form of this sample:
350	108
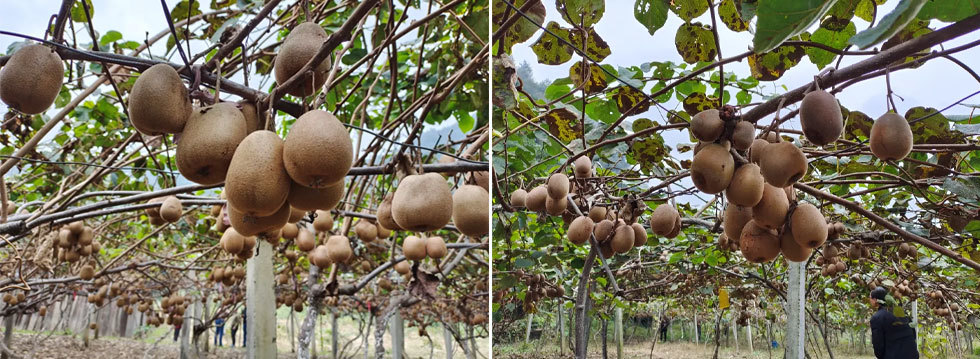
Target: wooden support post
527	331
261	303
447	338
795	330
397	328
618	328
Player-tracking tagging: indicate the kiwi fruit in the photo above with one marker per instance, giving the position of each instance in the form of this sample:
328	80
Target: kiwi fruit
677	228
558	185
256	182
290	230
422	203
76	228
253	117
86	272
383	232
743	136
366	231
735	219
771	210
518	198
757	149
580	229
773	137
582	167
623	239
317	152
414	248
536	198
31	79
783	164
249	225
154	211
790	193
384	214
891	137
722	242
471	210
171	209
217	274
712	169
746	186
602	230
338	249
158	103
759	244
854	251
86	237
707	125
403	267
639	235
323	221
555	206
597	213
435	247
606	250
208	142
664	219
320	256
808	225
232	242
791	249
821	118
480	178
299	47
85	250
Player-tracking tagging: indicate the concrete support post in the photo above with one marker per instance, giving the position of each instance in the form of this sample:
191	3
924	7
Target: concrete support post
447	337
618	328
795	329
527	331
748	335
397	328
261	303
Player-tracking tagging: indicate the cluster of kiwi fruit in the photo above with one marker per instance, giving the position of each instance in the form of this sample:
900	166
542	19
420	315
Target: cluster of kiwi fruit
831	261
417	248
822	122
906	250
31	79
227	275
857	250
291	299
937	301
15	298
169	211
104	292
76	240
538	287
424	202
173	307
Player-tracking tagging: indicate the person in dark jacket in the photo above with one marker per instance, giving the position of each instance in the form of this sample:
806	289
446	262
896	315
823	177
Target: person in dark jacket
891	335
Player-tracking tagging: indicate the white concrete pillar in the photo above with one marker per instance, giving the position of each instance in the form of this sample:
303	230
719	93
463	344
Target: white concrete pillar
696	328
447	337
618	329
795	329
397	328
748	335
261	303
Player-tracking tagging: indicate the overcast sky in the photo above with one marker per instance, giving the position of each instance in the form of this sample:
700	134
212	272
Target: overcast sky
937	84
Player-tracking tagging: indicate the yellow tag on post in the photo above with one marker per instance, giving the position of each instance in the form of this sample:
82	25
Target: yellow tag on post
723	298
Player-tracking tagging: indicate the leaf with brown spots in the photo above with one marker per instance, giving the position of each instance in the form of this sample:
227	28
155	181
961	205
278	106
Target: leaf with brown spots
563	124
695	43
770	66
731	17
551	50
627	98
698	101
596	77
688	9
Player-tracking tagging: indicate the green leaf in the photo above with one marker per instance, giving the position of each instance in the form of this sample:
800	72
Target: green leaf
889	25
581	13
648	151
184	10
523	263
780	20
564	124
110	37
78	11
839	15
695	43
949	10
466	121
651	13
731	17
687	10
595	47
771	65
549	49
835	39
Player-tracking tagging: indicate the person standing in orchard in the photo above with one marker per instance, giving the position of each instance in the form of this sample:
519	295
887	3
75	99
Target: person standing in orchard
891	335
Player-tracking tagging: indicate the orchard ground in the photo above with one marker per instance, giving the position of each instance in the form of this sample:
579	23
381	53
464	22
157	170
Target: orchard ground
158	342
669	350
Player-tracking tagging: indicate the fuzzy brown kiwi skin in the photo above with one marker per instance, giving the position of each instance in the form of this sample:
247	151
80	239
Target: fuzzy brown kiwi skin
746	186
808	225
663	219
422	202
771	210
821	118
208	142
583	167
518	198
31	79
639	235
317	151
159	103
891	137
256	182
623	238
597	213
712	169
759	244
791	249
707	125
735	219
471	210
297	49
602	230
580	229
743	135
558	185
536	198
554	206
783	164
